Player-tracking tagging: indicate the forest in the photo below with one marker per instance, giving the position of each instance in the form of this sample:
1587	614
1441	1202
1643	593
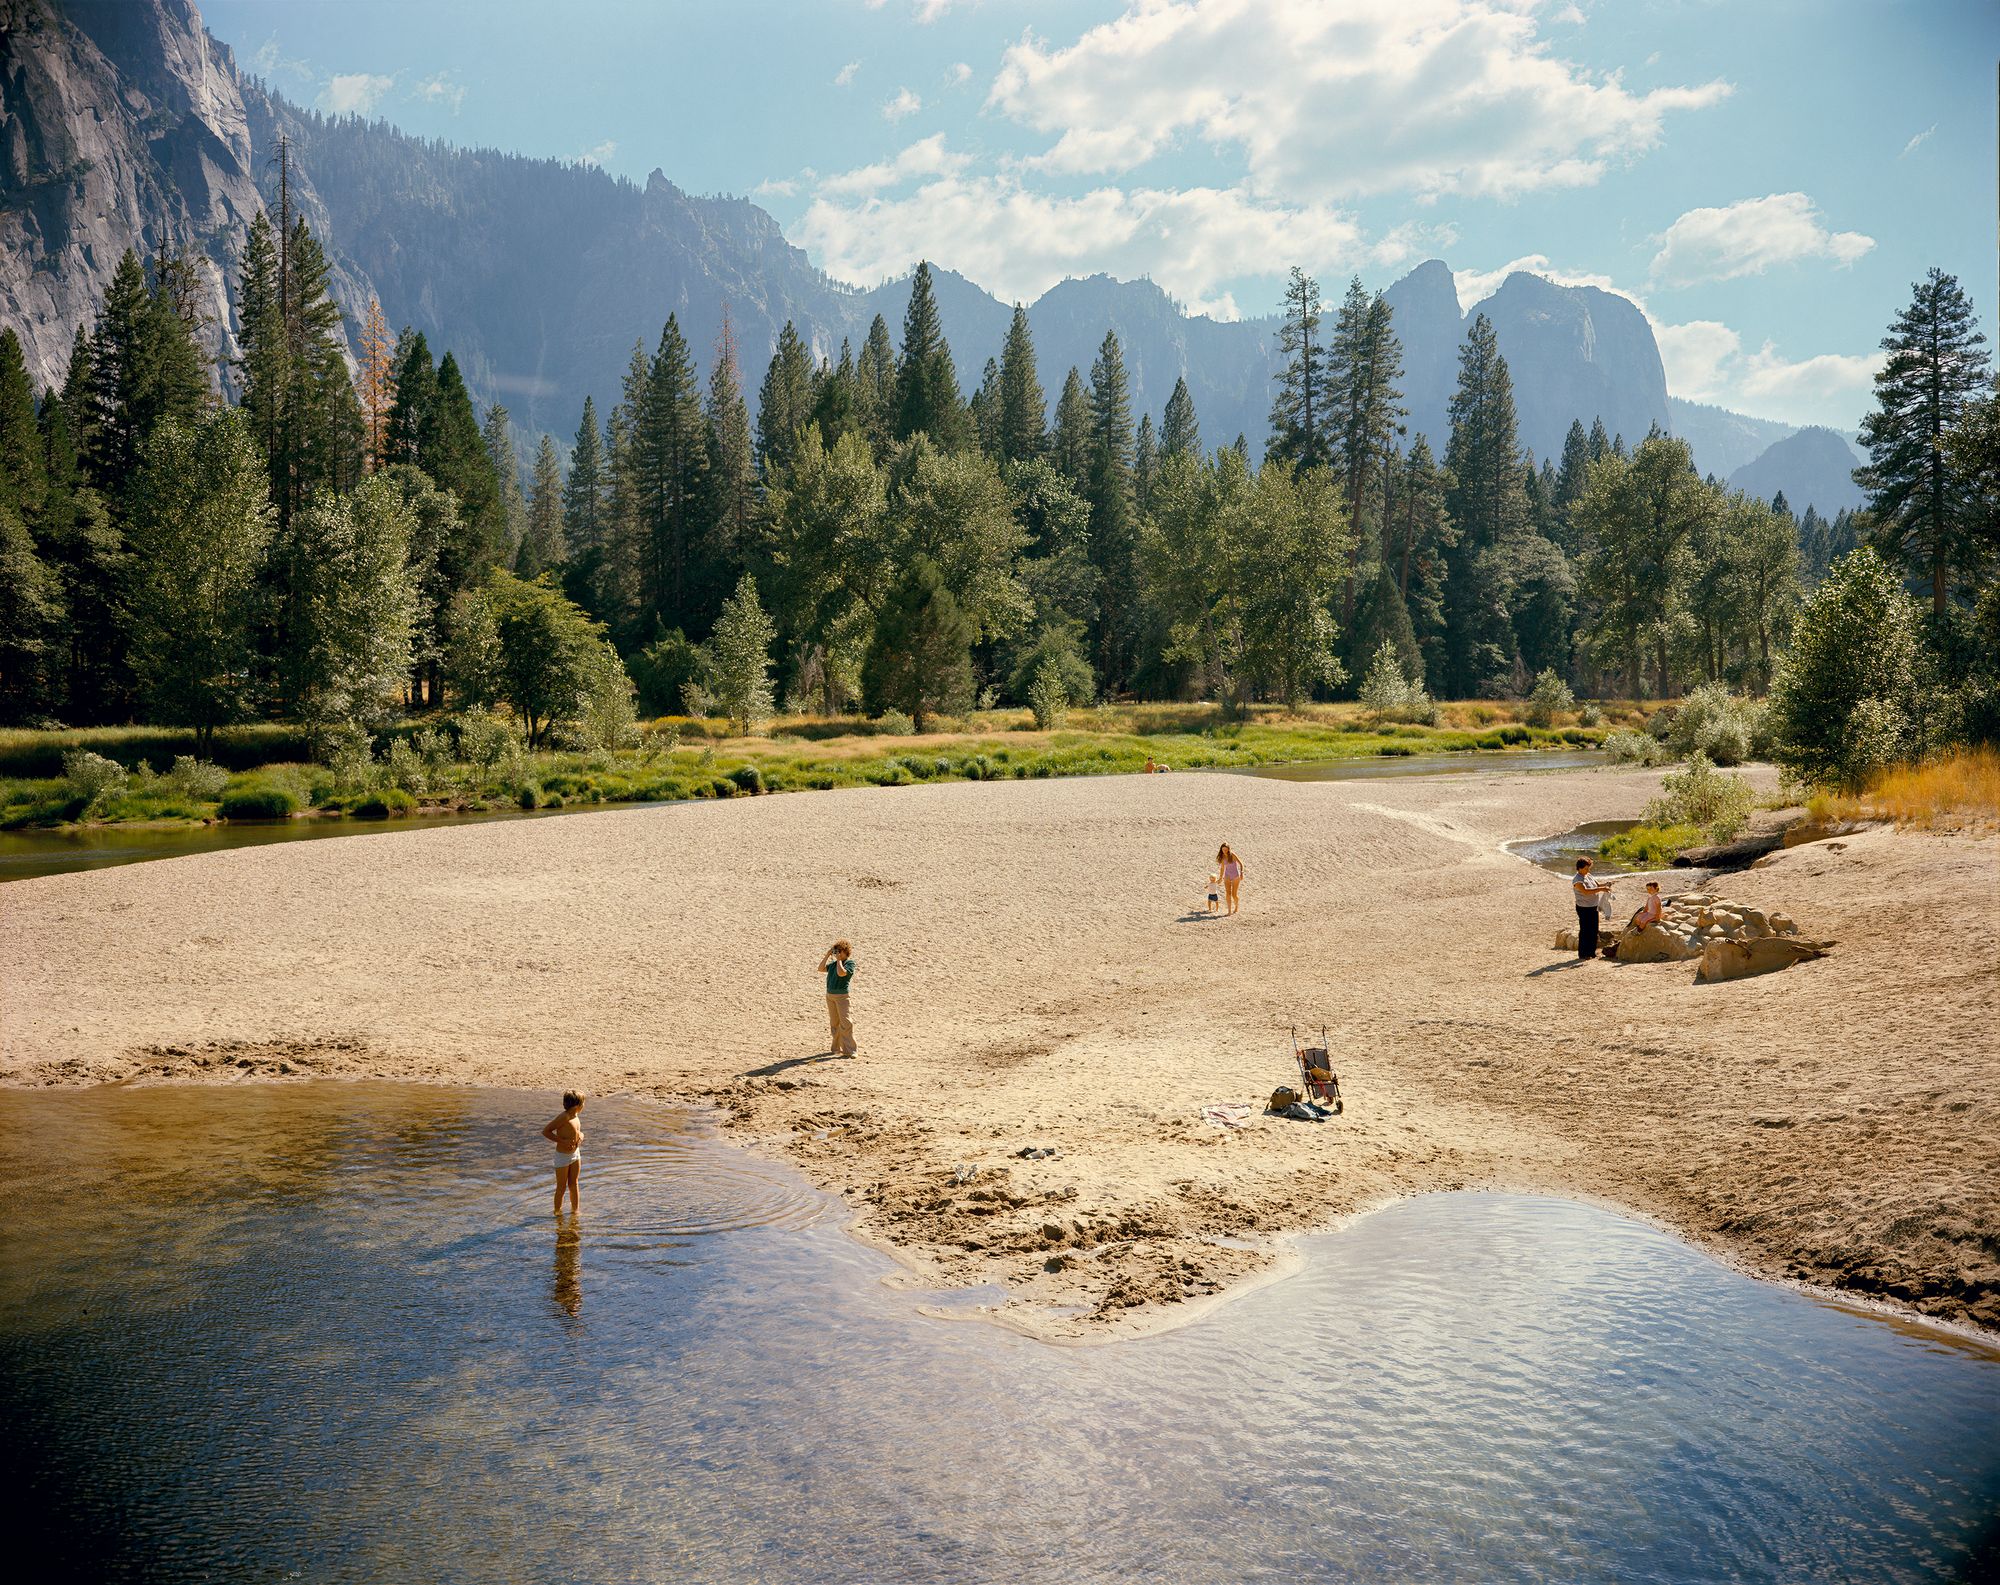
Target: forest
343	541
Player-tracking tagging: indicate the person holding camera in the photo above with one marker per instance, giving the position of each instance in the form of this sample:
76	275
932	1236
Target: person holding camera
838	967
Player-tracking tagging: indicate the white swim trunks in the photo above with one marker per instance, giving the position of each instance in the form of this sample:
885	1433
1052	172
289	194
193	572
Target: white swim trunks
571	1159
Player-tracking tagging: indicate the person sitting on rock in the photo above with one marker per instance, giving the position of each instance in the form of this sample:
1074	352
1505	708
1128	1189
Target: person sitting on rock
1650	910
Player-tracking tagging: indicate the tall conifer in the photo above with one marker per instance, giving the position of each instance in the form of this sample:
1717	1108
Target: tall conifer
1023	415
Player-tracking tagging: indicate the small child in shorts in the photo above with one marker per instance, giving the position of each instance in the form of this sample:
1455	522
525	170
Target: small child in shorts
566	1134
1214	893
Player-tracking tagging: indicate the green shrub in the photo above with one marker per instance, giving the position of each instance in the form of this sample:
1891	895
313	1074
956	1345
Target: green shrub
1714	722
1395	751
1627	747
1551	696
748	778
1514	735
262	802
722	787
1590	715
380	805
1702	796
530	795
197	779
1651	847
1491	740
895	723
93	779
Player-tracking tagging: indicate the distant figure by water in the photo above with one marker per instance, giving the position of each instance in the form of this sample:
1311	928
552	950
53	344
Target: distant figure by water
838	966
566	1134
1230	868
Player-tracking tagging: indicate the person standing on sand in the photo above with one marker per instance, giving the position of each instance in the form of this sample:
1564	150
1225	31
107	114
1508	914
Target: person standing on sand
1231	869
566	1134
838	967
1587	893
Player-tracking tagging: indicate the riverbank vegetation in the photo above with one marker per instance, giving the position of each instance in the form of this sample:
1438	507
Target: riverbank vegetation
292	551
473	761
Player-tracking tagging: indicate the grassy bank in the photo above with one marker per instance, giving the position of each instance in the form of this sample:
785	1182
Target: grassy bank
678	758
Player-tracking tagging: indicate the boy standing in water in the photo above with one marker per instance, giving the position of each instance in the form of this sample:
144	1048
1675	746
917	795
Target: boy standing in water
566	1134
838	967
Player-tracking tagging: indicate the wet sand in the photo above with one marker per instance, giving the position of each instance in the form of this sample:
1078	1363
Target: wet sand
1029	976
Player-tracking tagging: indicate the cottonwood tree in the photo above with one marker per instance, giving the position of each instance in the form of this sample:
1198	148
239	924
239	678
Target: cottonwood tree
201	520
738	657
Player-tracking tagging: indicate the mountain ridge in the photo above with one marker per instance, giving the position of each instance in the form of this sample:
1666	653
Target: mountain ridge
540	274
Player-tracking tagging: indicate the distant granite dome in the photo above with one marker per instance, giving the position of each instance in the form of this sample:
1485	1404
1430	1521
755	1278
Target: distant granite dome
1814	467
1576	352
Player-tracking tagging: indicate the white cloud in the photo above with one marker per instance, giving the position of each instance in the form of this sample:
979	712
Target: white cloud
1475	286
776	187
927	157
846	73
1411	240
1749	237
929	11
1706	362
1330	100
1017	243
441	90
902	105
958	74
597	155
271	60
354	93
1911	147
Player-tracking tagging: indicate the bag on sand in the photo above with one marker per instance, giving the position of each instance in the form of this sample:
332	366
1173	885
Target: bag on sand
1283	1096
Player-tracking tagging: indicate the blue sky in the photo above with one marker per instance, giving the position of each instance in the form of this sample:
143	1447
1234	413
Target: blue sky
1766	177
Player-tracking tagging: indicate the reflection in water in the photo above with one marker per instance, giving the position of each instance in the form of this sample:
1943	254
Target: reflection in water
382	1366
568	1286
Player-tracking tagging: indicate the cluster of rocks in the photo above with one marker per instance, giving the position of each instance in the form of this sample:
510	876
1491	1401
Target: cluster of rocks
1731	940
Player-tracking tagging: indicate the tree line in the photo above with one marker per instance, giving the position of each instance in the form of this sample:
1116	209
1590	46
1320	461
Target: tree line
343	542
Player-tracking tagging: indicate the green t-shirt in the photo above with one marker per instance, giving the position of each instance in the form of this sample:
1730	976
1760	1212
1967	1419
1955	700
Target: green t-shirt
836	981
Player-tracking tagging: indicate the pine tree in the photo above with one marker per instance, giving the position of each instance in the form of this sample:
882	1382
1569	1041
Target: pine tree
926	400
670	442
1299	418
22	467
1069	440
378	383
1364	409
732	470
585	514
1936	365
983	411
1180	431
1023	408
1418	535
616	595
31	648
1113	520
413	406
454	454
1145	464
512	517
85	551
1576	460
920	660
784	403
1488	506
1638	520
1600	442
542	547
875	383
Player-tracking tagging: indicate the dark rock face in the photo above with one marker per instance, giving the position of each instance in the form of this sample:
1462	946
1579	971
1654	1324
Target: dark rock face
1576	352
122	123
1814	467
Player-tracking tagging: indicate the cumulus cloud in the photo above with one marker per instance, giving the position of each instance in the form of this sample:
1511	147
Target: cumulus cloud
597	155
441	90
904	104
1475	286
958	74
1916	142
846	73
270	60
1329	100
927	157
1018	243
1748	238
1706	362
354	93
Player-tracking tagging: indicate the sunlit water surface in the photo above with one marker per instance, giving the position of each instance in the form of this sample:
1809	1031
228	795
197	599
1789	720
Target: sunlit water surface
331	1332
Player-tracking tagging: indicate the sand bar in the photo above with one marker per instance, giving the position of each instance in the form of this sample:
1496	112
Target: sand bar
1028	978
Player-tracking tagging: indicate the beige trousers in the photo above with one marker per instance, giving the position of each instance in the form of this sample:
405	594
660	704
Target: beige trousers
841	1024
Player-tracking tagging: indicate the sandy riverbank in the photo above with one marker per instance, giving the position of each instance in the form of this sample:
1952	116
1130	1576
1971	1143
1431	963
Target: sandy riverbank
1027	977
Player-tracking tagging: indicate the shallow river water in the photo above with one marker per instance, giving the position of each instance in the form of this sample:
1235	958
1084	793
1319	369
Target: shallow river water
331	1332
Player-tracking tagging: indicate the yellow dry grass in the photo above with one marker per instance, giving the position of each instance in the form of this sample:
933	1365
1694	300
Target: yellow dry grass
1957	791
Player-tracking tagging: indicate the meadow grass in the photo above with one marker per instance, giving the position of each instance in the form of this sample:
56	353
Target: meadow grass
683	758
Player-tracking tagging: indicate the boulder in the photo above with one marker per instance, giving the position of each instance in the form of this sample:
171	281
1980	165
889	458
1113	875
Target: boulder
1739	960
1566	939
1655	944
1781	925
